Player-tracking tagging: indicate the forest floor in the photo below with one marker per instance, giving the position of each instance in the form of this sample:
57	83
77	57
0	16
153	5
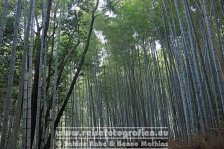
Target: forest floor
199	142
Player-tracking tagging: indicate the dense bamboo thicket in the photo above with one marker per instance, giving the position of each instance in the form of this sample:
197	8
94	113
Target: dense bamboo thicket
113	63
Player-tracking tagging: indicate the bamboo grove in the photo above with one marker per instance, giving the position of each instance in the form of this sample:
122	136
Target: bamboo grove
115	63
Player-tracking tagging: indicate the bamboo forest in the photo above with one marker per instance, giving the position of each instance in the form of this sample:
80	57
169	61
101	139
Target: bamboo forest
121	65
